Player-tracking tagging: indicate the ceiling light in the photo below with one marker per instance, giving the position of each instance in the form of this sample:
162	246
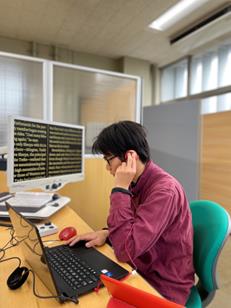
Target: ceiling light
175	13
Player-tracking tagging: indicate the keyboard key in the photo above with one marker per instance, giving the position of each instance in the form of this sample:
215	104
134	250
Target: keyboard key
76	273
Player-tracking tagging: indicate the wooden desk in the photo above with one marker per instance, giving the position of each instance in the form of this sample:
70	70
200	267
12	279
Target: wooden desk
23	297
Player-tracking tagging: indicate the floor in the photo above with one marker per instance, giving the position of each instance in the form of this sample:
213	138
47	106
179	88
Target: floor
222	297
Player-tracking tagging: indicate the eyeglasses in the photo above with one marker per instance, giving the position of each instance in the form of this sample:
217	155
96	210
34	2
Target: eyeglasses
108	159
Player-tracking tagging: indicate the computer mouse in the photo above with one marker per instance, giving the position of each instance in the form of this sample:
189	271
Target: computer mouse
17	277
67	233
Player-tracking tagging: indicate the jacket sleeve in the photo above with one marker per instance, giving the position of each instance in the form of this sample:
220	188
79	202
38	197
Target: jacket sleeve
133	232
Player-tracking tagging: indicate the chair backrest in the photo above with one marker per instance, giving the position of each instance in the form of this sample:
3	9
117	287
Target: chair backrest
211	223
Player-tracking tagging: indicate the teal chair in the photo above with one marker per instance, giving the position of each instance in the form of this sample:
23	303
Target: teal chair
211	224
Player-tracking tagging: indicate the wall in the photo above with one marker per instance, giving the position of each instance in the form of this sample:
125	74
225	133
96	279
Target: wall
215	183
57	54
143	69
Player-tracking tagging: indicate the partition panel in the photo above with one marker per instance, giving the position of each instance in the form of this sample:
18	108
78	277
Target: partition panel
174	138
216	158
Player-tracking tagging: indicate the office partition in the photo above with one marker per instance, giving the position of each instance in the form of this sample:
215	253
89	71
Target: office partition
94	98
21	90
174	138
66	93
216	158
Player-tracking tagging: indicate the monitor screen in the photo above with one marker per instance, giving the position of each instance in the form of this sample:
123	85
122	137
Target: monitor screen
44	154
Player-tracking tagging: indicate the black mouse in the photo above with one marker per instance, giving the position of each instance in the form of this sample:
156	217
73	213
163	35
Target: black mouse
17	277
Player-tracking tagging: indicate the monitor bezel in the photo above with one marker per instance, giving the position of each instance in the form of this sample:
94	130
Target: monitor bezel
48	184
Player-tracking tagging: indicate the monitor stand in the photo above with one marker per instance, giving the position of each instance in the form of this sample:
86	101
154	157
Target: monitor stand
43	213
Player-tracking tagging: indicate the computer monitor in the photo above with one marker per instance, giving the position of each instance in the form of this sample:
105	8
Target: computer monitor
43	154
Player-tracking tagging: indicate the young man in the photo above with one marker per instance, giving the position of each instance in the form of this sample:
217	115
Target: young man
149	222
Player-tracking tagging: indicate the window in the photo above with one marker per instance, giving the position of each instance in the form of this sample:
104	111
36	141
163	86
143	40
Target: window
208	71
224	60
216	103
174	80
211	70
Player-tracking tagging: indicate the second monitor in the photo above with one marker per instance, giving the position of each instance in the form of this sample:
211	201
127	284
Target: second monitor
44	154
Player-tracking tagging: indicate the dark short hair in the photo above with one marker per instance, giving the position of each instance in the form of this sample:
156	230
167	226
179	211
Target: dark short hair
116	139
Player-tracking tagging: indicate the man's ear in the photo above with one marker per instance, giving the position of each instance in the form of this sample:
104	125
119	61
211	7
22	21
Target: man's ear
133	153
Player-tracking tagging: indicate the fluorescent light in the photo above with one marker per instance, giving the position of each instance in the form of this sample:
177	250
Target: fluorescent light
175	13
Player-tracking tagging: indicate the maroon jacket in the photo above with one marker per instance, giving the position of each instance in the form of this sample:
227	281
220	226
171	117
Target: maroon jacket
152	230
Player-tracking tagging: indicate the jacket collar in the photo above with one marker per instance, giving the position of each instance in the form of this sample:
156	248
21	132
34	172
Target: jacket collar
136	187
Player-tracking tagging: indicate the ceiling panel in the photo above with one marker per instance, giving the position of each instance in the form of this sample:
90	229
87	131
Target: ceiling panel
112	28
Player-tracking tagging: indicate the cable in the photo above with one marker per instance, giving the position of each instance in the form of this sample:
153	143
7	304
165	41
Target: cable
4	248
61	297
33	279
37	295
13	241
134	270
20	262
3	255
11	238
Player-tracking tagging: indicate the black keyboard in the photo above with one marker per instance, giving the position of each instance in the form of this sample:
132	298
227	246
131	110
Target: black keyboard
75	272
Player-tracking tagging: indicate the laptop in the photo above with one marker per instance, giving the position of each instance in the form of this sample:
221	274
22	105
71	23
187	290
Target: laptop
126	296
67	272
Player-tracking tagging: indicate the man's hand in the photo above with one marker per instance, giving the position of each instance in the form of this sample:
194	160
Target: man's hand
127	171
97	238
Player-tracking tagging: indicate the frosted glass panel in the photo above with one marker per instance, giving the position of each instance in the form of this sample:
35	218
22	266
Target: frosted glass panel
21	91
174	80
92	99
216	104
211	70
209	105
224	102
224	59
196	76
66	96
181	80
167	84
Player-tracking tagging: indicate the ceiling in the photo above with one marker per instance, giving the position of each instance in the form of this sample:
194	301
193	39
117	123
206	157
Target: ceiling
111	28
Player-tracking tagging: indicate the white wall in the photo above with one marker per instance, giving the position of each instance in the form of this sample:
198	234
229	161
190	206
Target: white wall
57	54
143	69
